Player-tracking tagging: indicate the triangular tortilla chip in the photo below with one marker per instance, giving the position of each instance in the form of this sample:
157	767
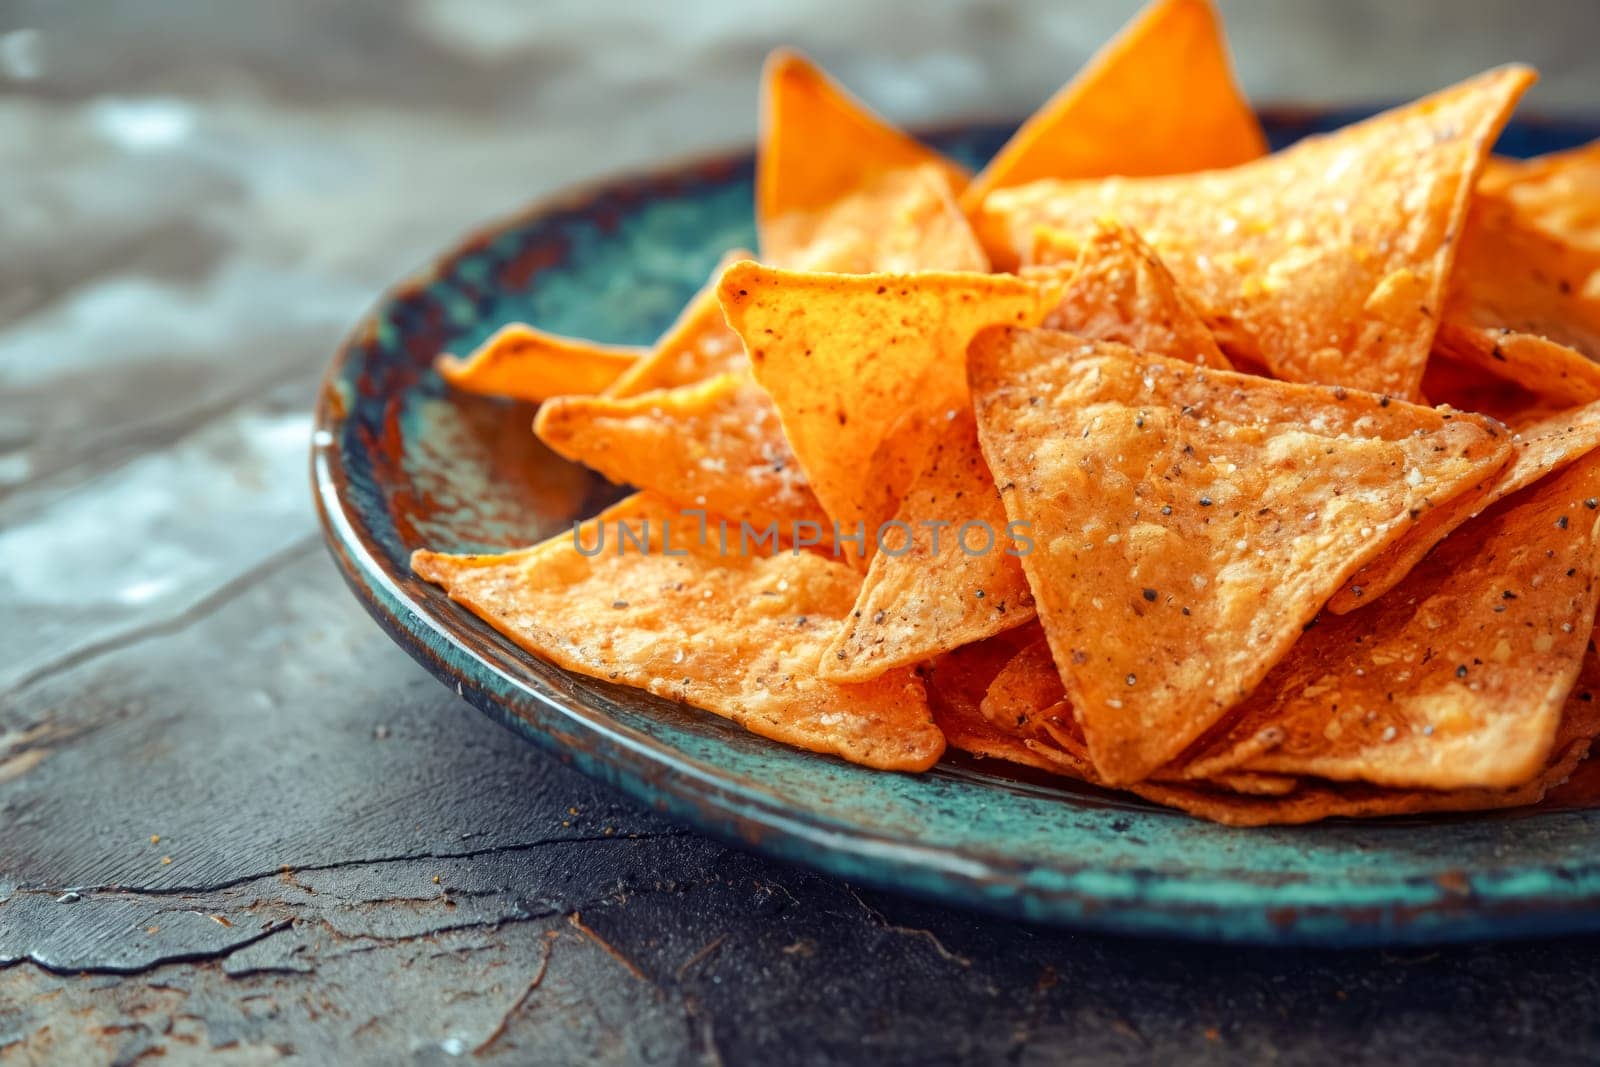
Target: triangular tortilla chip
1465	386
1455	679
525	363
1188	522
737	634
1554	374
1326	262
1511	278
902	220
1538	449
1311	800
715	445
819	145
926	600
1158	99
1119	290
855	362
696	347
1026	699
950	576
957	682
1558	193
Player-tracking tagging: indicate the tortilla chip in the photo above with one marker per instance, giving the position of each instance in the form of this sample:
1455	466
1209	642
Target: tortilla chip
1512	279
1465	386
1314	801
525	363
716	445
1558	193
1539	449
1026	699
947	575
696	347
1158	99
819	145
855	362
1188	522
1311	801
1119	290
1456	679
1025	687
940	594
956	684
1556	375
736	634
902	220
1334	253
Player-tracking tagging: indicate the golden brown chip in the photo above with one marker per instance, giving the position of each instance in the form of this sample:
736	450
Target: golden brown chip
1026	700
866	368
737	634
957	682
819	146
1538	449
696	347
1467	387
1025	687
1326	262
1456	679
1511	279
1188	522
1311	800
951	587
1158	99
525	363
947	574
716	445
901	221
1119	290
1559	193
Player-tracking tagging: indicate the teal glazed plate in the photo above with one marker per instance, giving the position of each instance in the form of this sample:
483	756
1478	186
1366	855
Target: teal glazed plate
401	462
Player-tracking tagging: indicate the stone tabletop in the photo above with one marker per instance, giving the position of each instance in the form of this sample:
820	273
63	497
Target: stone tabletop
237	823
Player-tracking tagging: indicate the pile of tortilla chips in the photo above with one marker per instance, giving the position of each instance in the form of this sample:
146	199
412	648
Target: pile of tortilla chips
1264	486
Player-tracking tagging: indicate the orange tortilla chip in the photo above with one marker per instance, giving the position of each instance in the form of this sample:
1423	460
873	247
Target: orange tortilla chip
855	362
1539	449
1558	193
696	347
1457	678
1027	689
1120	291
715	445
525	363
1465	386
1511	279
1158	99
898	221
940	594
819	145
1188	522
1326	262
738	635
1026	699
1554	374
957	682
947	575
1310	800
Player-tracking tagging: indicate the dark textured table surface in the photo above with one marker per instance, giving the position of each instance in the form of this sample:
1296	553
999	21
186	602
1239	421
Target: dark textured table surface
235	821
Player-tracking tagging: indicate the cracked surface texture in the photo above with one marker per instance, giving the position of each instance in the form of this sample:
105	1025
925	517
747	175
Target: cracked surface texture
237	824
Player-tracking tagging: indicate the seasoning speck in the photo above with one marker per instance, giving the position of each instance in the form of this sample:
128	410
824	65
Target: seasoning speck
1150	595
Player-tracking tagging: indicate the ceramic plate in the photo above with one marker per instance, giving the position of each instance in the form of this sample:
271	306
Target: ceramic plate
400	462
